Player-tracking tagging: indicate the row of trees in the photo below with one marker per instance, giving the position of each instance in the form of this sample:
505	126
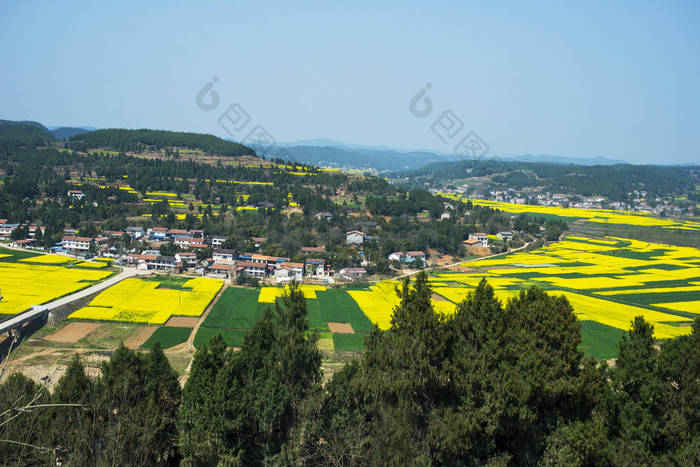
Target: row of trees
492	384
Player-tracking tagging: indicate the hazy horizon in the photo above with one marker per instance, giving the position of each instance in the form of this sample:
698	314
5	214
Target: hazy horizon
581	80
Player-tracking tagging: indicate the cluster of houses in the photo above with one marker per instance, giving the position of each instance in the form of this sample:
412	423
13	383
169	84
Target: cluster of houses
223	263
229	264
6	229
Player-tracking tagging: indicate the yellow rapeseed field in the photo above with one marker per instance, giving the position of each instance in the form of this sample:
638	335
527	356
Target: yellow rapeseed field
49	259
602	216
93	264
590	273
142	301
378	302
270	294
24	285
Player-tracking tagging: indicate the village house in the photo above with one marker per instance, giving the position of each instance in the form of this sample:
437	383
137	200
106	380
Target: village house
221	271
482	237
158	233
257	241
216	242
505	235
6	229
187	258
76	194
176	233
250	268
33	229
352	274
185	242
397	256
287	272
354	237
135	232
75	244
411	256
147	262
24	243
472	242
316	267
224	255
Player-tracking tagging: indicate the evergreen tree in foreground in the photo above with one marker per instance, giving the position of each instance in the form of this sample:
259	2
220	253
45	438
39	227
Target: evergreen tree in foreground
241	407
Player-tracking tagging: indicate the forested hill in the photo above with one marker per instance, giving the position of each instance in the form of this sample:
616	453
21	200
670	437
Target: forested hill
21	134
139	140
612	181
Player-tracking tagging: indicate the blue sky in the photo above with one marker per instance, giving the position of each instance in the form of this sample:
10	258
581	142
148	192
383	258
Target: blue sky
613	79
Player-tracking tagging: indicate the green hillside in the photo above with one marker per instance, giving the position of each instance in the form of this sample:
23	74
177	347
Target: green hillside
137	140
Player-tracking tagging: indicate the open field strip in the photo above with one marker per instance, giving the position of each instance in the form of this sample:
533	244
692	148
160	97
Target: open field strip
271	294
689	307
49	259
145	301
654	290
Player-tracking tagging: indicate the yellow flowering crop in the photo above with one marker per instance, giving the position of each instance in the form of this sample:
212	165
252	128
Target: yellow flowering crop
49	259
620	316
378	302
689	307
24	285
142	301
270	294
94	265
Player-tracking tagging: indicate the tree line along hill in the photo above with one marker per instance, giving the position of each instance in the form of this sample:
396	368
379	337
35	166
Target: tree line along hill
31	134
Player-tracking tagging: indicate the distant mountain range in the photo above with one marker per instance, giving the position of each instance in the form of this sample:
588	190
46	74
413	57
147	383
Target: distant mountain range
65	132
331	153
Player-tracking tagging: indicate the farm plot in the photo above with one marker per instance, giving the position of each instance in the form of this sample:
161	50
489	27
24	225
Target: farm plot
144	301
238	308
24	284
167	336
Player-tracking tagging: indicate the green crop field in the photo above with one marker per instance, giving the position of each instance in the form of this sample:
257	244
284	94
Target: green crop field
236	309
348	342
167	336
232	337
338	307
598	340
